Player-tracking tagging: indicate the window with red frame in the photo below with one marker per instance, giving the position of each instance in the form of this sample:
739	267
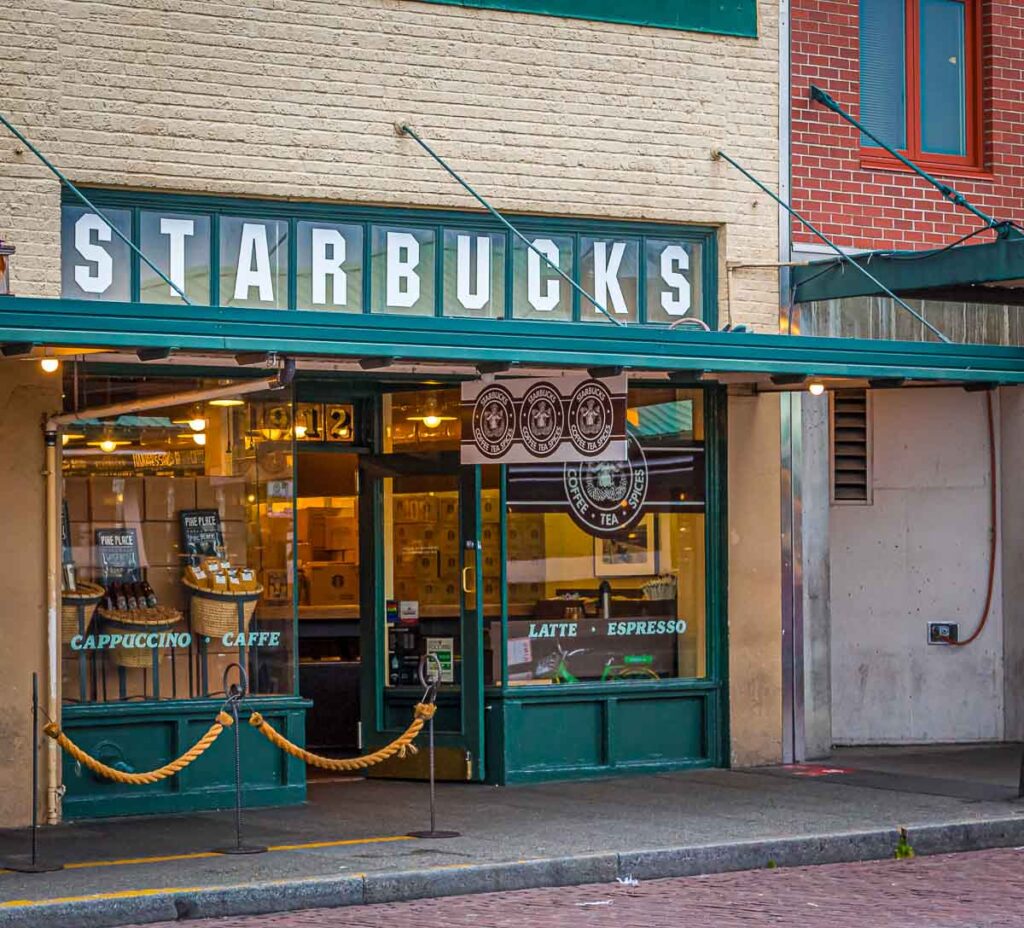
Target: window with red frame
920	79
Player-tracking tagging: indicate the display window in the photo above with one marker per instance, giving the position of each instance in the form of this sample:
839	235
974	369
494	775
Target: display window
177	544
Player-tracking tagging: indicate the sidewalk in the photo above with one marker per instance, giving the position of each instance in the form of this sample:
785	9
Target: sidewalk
348	844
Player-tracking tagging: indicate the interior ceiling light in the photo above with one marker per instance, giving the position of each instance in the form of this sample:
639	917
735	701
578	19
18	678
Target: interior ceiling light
109	445
816	388
431	420
49	365
227	402
199	438
198	424
300	431
67	437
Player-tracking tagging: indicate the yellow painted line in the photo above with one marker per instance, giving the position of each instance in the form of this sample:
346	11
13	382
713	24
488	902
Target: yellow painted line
120	894
201	855
345	843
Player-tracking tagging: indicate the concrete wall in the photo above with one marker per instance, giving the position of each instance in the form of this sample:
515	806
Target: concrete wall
299	98
918	553
26	394
755	579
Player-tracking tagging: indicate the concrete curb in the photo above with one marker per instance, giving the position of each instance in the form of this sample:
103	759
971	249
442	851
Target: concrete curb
149	906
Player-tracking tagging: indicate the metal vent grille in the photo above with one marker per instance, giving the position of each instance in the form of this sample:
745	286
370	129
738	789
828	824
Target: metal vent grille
851	447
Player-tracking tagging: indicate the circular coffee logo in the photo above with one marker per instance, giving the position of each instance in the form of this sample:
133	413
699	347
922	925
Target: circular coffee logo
494	421
541	419
590	417
608	496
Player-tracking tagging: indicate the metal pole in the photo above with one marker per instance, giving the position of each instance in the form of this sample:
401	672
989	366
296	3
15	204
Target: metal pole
431	684
81	196
408	130
236	694
954	196
718	153
33	865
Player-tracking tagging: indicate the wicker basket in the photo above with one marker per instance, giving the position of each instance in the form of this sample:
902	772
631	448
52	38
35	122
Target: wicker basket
216	614
135	621
85	599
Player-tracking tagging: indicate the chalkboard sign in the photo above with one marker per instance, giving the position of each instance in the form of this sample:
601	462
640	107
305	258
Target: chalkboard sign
118	553
201	534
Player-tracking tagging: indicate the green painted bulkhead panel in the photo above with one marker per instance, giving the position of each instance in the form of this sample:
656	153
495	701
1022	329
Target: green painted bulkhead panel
146	736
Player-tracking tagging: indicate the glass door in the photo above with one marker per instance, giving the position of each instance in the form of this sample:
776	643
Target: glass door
426	593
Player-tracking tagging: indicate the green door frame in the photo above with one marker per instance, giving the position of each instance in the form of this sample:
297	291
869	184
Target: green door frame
374	691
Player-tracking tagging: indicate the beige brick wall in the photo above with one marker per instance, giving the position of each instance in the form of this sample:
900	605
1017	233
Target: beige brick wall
298	98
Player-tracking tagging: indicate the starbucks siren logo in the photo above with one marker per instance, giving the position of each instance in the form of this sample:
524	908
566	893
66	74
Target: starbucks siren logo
541	420
608	496
494	421
590	417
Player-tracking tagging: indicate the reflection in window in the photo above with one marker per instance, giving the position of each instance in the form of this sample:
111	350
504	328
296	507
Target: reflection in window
591	604
611	274
474	274
403	271
674	281
538	292
96	264
330	266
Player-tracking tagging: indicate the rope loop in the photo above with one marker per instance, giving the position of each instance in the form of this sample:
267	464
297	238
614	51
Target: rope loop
52	730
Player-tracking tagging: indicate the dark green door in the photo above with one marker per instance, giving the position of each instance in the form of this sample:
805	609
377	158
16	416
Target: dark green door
422	596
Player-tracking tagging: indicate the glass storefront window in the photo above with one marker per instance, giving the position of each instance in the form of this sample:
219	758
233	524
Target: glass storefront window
178	530
611	270
330	267
254	262
402	260
474	274
674	281
179	244
537	291
96	264
591	604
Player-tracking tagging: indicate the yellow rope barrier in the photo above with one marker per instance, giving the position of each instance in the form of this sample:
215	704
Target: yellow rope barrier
151	776
402	745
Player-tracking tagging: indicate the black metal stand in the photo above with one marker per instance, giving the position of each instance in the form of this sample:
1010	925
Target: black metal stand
236	693
32	864
431	685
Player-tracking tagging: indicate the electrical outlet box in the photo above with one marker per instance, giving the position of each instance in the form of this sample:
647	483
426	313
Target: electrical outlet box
943	632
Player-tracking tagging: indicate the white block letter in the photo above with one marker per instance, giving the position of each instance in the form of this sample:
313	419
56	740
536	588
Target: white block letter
464	288
542	302
100	281
325	266
254	245
674	260
176	230
403	283
606	276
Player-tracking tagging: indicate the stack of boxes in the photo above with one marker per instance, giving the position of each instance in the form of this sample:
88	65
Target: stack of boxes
151	505
328	553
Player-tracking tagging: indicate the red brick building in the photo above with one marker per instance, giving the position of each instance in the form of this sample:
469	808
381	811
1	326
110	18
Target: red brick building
855	193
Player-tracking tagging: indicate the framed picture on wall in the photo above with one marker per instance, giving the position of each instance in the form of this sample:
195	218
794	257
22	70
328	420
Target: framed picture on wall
629	553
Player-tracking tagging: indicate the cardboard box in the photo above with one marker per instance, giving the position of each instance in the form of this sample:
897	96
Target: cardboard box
448	539
344	555
491	563
225	494
447	509
490	506
311	525
413	537
82	540
407	589
331	583
161	544
236	543
417	566
415	507
76	495
115	500
341	532
166	583
165	497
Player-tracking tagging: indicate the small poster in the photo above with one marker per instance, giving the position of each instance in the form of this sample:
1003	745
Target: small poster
442	649
201	534
409	612
117	551
550	419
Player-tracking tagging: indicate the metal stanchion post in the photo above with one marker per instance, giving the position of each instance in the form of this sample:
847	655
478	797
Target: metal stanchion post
236	693
431	682
32	864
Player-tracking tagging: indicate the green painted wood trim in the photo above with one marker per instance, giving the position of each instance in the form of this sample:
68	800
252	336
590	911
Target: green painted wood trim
908	272
725	17
73	323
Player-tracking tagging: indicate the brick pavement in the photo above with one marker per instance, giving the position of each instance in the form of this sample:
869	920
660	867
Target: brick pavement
984	889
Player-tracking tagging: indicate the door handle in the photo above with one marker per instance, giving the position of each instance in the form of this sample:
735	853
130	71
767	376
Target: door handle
466	571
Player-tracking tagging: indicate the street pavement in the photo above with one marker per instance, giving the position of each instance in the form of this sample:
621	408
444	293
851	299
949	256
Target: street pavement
983	889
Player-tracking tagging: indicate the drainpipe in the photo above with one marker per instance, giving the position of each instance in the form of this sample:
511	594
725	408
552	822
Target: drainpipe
51	473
